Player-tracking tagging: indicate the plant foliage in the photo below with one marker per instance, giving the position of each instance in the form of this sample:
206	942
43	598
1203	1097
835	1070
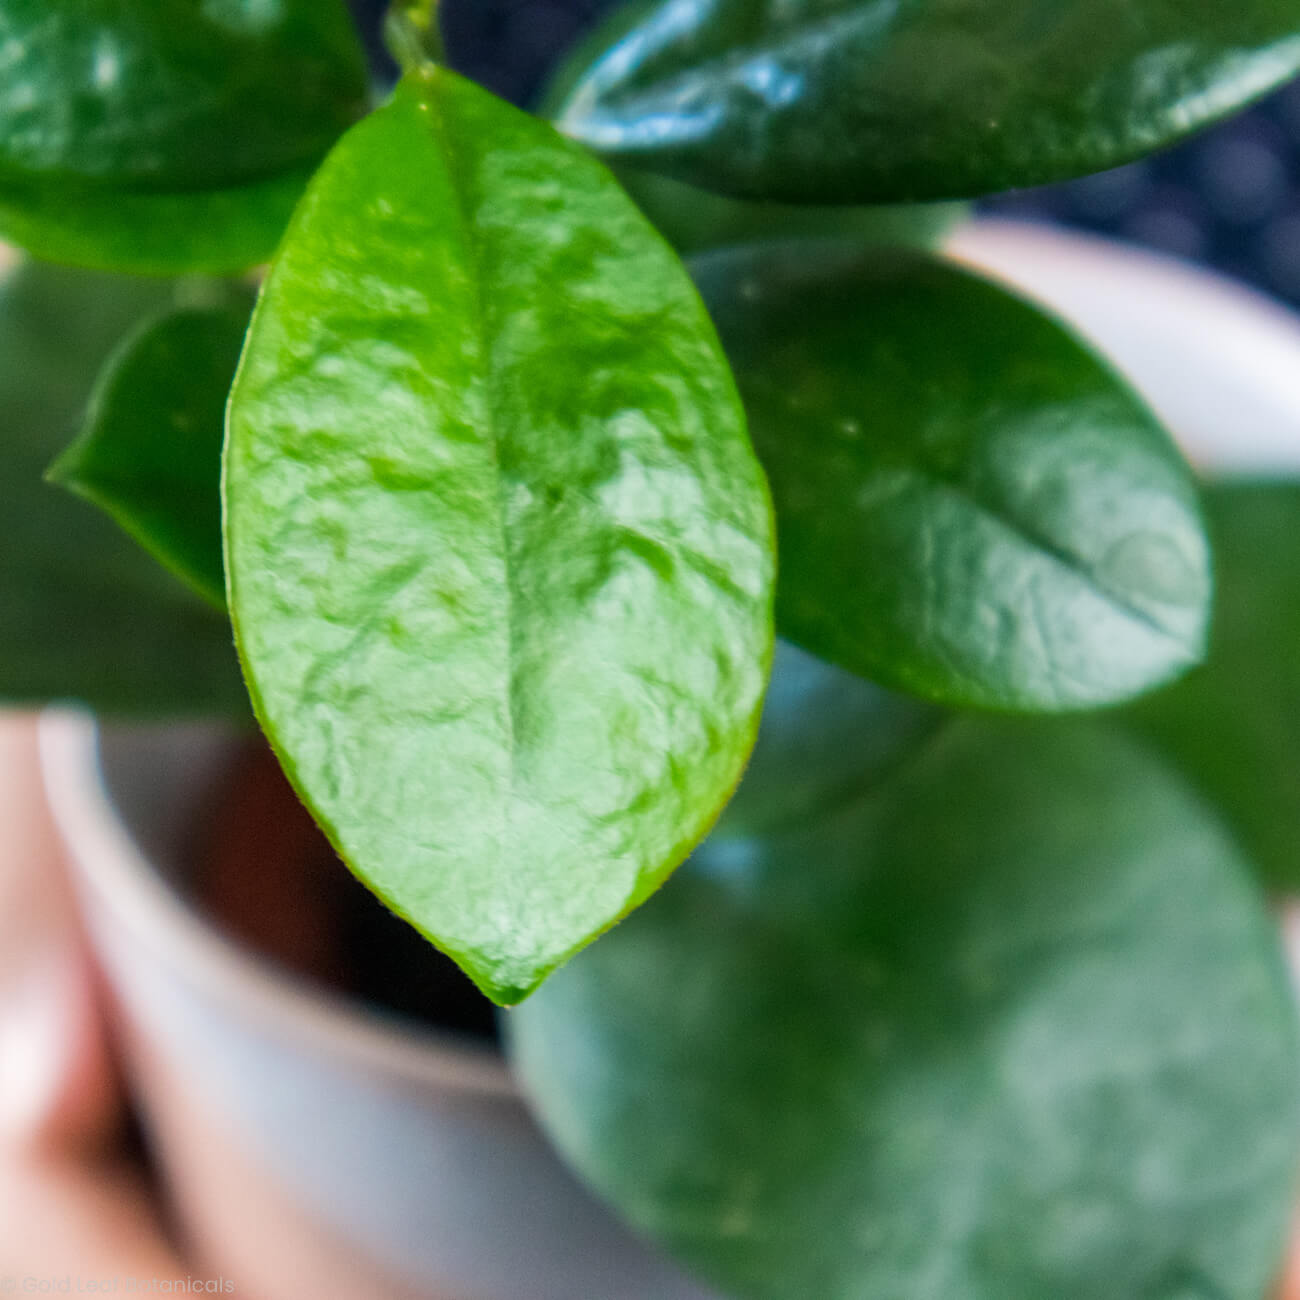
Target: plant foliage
502	506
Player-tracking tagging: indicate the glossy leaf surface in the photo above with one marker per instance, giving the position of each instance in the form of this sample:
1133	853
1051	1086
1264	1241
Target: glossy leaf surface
970	505
1014	1026
150	450
87	615
697	220
216	232
499	550
174	95
877	101
1233	725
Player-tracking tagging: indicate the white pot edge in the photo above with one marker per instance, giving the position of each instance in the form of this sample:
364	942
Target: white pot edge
1217	360
129	890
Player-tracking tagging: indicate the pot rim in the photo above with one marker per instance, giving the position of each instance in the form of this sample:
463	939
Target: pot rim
110	864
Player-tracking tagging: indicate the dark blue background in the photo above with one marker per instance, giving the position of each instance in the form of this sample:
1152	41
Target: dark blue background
1230	197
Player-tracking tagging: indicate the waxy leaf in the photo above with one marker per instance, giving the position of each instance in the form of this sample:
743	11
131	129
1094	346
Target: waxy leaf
86	614
215	232
499	551
876	101
1233	725
150	450
1014	1026
696	220
971	506
174	95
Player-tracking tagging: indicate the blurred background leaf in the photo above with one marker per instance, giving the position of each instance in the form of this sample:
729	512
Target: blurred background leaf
1233	724
1014	1023
85	613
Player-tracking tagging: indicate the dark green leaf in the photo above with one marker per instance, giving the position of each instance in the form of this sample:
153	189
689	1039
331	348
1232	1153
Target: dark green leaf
696	220
1234	724
174	95
87	615
872	100
217	232
1014	1027
499	550
971	506
150	450
165	136
826	736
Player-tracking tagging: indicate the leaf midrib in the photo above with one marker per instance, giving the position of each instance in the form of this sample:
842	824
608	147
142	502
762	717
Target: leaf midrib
1076	565
470	241
1054	551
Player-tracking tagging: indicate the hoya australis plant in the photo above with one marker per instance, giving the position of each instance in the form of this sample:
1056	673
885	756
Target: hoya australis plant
501	507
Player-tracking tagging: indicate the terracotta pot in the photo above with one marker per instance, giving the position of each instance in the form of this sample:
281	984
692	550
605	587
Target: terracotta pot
316	1148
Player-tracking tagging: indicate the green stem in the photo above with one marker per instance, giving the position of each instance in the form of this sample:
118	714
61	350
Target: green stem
412	34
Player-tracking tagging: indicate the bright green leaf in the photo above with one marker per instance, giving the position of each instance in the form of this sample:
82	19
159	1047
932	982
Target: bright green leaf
174	95
150	450
216	232
499	550
971	506
1234	724
87	615
872	100
1015	1026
